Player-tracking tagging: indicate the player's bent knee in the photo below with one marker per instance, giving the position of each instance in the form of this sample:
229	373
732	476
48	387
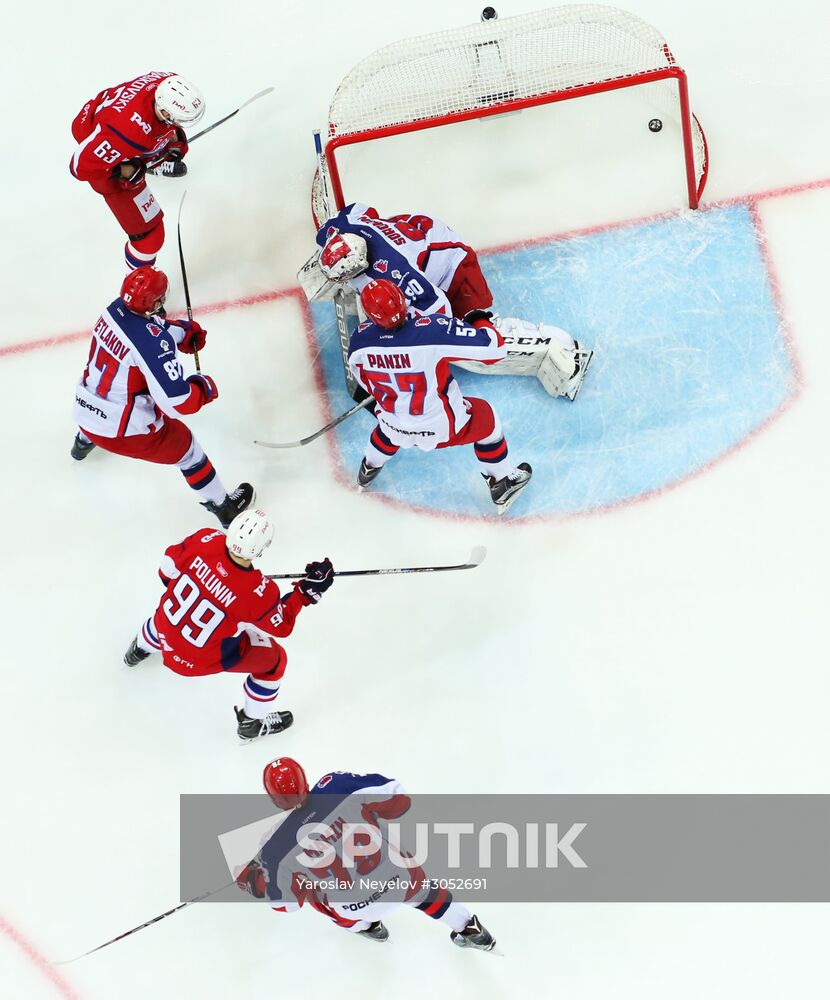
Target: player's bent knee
150	241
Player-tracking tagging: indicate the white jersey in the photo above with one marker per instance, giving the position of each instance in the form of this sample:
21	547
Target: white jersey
420	405
132	375
416	252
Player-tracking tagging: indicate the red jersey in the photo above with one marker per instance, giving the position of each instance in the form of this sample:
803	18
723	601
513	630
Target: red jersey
119	124
208	602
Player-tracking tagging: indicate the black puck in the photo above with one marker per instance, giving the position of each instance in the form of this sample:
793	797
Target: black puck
655	125
489	14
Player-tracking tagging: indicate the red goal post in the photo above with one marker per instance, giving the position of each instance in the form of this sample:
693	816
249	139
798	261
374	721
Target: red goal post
498	66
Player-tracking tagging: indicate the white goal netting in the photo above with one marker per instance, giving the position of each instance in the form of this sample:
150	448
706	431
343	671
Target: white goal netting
518	61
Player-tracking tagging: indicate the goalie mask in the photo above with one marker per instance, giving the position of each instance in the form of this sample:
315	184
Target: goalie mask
344	256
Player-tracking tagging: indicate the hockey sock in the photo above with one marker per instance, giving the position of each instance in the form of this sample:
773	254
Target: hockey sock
200	475
492	454
135	258
456	916
437	902
147	638
379	449
260	695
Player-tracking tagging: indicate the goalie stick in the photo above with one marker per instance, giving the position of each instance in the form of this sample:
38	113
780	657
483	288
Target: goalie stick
147	923
477	557
316	434
340	295
184	276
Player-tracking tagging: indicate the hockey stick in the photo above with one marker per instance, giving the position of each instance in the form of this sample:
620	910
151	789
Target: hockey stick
477	557
316	434
147	923
184	276
340	295
221	121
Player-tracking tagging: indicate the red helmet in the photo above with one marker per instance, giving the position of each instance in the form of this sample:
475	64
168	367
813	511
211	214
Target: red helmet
285	782
143	289
384	304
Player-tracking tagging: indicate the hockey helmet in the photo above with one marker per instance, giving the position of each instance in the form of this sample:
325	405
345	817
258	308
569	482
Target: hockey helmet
144	290
178	101
344	256
285	782
249	534
384	303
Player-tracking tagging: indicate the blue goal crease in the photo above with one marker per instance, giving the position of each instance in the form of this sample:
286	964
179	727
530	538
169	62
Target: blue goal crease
689	359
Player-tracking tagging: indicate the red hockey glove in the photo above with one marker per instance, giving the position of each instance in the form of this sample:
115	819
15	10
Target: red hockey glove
177	150
319	576
205	386
136	176
195	336
252	879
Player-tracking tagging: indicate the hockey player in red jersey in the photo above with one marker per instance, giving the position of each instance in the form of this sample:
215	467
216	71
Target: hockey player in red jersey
122	134
404	363
133	391
219	614
438	273
345	802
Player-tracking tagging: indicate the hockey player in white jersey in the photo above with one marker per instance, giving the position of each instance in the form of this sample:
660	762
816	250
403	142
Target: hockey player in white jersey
404	363
132	392
438	272
337	800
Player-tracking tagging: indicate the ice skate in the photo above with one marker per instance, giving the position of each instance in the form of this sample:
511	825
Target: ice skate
169	168
234	503
367	474
81	448
375	932
251	729
474	936
503	492
135	654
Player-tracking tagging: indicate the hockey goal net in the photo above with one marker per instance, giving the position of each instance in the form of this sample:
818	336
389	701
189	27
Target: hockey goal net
498	66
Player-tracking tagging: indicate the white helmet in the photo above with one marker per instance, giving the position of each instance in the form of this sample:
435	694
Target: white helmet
249	534
179	101
344	256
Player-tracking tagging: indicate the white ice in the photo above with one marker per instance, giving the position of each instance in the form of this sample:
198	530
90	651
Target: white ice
676	645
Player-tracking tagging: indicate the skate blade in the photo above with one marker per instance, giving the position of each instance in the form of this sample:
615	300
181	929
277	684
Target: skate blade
503	508
585	361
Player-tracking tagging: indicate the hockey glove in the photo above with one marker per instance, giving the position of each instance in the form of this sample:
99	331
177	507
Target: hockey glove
319	576
252	879
135	178
195	336
205	387
360	394
474	315
177	150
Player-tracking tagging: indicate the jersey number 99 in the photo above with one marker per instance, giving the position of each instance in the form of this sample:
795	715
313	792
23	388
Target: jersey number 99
202	620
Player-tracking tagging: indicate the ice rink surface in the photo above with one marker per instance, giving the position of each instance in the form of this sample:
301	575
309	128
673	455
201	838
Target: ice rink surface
649	621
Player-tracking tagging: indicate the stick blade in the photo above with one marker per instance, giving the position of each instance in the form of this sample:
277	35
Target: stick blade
256	97
284	444
478	555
